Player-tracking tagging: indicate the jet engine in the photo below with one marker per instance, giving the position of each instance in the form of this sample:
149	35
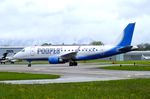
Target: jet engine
55	60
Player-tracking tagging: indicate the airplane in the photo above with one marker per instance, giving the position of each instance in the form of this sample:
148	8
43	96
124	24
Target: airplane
5	58
145	57
7	53
74	53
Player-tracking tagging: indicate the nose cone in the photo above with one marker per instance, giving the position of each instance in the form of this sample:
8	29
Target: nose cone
15	56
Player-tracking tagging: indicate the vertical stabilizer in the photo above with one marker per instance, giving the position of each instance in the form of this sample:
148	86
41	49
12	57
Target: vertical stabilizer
127	35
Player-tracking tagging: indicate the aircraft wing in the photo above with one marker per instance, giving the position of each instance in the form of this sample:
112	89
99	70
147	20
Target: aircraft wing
68	56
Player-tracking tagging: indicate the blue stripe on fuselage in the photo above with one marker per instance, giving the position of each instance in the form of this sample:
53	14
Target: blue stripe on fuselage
108	53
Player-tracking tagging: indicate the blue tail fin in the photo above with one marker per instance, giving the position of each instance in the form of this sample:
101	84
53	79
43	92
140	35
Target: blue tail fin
127	35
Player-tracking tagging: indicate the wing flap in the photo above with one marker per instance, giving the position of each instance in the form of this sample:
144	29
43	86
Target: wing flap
68	56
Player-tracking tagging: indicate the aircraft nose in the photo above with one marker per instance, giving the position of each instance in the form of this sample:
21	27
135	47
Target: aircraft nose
16	56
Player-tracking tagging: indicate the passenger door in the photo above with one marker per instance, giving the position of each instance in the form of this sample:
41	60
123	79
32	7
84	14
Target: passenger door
32	51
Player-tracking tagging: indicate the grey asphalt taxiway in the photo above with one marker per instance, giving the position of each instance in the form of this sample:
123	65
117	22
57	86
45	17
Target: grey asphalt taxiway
80	73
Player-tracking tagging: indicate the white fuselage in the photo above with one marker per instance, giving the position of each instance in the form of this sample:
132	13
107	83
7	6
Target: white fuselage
43	52
71	54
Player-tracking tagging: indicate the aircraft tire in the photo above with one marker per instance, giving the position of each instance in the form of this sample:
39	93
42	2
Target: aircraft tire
29	65
73	63
70	63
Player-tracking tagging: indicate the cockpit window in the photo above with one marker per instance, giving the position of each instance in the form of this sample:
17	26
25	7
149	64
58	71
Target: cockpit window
23	50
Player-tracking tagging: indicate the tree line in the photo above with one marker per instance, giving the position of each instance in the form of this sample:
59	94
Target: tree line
142	46
91	43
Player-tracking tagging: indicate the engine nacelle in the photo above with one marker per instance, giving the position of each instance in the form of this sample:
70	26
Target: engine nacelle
55	60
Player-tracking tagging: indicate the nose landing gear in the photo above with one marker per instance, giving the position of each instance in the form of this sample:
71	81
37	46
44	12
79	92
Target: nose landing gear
29	64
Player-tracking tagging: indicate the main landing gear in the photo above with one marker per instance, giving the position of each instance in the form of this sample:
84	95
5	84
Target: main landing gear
2	62
73	63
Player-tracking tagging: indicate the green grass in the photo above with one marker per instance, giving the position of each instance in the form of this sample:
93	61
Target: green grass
25	76
33	62
131	68
146	62
95	61
46	62
121	89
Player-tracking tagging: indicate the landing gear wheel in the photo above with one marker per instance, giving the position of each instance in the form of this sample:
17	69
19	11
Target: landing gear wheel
73	63
70	63
29	65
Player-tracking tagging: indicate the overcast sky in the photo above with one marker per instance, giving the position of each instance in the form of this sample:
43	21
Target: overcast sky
33	22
